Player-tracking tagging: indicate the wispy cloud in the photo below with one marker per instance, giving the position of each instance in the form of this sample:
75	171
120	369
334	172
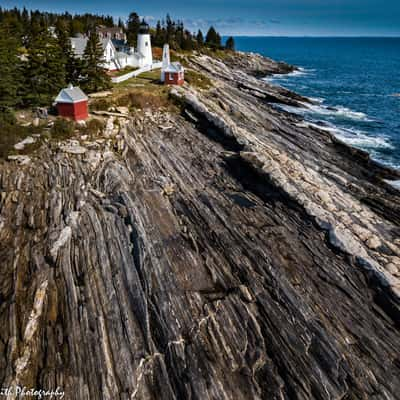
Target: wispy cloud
228	25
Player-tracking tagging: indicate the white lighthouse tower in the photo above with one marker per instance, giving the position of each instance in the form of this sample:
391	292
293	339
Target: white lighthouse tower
165	61
144	44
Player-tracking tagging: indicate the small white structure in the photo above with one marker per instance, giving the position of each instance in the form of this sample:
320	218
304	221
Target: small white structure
171	73
165	61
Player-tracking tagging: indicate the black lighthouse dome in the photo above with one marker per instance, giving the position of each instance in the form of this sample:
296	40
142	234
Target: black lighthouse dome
144	27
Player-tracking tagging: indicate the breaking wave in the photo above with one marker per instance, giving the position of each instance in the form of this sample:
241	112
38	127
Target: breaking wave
284	77
353	137
338	112
353	127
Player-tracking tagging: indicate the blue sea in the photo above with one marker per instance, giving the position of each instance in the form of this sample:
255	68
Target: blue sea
354	82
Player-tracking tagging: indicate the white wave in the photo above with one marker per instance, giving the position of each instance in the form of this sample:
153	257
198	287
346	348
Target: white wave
338	112
347	112
395	184
366	142
318	100
319	109
353	137
285	76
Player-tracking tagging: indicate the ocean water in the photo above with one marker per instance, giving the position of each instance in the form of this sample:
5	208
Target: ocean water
354	82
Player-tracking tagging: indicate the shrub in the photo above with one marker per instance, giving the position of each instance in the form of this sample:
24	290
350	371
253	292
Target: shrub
7	117
123	101
142	99
100	105
62	128
92	128
197	80
11	133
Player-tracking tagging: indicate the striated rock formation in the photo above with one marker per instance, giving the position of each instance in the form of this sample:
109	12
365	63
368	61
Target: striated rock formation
229	252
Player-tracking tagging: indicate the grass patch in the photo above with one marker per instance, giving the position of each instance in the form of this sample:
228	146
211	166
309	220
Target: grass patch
148	79
221	54
142	99
198	80
142	92
180	57
152	76
11	133
124	71
62	129
100	105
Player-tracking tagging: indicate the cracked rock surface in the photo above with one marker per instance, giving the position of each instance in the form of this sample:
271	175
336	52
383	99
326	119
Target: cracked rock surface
238	254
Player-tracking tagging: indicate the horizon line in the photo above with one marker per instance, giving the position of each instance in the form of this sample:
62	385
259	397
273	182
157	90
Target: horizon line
317	36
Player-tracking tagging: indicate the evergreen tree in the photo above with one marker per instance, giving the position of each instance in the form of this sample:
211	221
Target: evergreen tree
93	74
45	70
158	39
170	31
187	41
230	43
200	39
109	21
133	27
25	21
213	39
10	76
76	27
73	65
218	40
179	34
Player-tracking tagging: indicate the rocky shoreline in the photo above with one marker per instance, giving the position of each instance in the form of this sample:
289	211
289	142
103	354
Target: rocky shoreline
227	251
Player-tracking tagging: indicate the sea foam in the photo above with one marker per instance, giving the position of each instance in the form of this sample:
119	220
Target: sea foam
339	112
353	137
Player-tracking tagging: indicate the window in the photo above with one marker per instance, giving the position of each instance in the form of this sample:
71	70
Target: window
147	43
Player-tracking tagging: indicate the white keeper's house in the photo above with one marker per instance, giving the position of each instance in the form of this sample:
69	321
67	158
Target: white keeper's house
117	53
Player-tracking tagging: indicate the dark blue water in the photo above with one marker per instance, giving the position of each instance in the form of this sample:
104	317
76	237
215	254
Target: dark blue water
359	77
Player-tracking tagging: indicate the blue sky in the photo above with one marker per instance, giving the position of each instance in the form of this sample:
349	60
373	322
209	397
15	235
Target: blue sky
251	17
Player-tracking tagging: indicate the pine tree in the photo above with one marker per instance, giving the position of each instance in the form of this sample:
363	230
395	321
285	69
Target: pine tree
179	34
73	65
25	21
218	41
94	75
230	44
133	27
10	74
45	72
76	27
109	21
213	39
187	42
200	39
169	28
159	35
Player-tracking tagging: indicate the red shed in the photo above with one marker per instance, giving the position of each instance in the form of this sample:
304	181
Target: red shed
72	103
174	74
